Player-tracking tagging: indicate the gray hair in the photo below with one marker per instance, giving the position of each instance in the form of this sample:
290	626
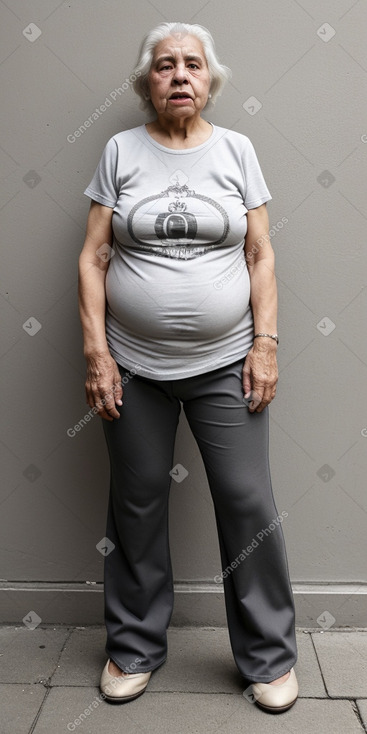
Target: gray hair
219	73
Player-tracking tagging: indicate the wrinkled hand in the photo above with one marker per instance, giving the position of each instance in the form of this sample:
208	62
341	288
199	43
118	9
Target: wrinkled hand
103	386
260	376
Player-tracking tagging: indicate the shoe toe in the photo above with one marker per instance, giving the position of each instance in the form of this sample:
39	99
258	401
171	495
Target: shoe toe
125	687
276	699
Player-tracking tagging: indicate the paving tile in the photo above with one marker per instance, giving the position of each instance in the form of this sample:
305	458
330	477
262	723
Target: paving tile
307	669
82	659
343	660
188	713
29	656
19	706
199	660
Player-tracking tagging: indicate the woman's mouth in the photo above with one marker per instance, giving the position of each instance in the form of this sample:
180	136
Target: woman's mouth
180	97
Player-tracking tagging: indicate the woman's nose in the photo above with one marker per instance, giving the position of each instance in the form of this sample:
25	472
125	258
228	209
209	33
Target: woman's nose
180	75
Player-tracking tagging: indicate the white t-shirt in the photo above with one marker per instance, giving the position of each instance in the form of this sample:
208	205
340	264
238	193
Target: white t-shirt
177	286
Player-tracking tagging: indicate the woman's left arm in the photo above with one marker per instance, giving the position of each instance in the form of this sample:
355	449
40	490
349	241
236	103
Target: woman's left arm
260	372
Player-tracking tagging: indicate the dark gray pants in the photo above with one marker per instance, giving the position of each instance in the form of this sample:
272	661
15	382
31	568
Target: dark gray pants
138	576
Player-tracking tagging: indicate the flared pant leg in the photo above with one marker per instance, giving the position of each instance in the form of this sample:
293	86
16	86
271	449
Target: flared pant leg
258	596
138	584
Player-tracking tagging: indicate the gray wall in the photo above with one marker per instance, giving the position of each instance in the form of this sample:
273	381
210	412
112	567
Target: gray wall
310	135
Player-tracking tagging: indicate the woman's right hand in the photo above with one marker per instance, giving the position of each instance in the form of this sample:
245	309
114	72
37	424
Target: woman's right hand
103	386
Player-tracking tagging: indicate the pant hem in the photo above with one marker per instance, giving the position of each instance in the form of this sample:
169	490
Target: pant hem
261	678
138	668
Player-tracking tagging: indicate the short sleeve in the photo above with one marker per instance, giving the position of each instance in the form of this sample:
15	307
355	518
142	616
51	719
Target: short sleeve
104	186
257	192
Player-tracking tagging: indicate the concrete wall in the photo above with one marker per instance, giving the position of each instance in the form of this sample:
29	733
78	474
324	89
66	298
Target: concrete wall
304	63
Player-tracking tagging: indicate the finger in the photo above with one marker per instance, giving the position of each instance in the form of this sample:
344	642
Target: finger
259	408
107	405
113	413
252	399
268	396
246	381
91	401
97	402
256	399
260	394
118	392
102	412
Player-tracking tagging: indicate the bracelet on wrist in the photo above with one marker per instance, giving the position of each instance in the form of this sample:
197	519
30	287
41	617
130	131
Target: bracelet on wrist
270	336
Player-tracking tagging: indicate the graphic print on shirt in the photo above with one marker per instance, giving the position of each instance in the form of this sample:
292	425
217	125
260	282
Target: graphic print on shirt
178	222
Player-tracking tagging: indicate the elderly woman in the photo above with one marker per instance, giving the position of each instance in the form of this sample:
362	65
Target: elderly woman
178	308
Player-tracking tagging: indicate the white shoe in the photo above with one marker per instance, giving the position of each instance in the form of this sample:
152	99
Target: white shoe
123	688
278	698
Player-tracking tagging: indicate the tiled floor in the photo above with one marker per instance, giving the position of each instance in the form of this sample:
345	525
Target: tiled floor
49	685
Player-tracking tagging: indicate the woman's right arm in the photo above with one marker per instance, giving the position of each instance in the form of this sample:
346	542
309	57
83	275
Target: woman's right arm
103	384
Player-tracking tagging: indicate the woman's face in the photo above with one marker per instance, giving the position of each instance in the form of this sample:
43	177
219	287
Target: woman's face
179	78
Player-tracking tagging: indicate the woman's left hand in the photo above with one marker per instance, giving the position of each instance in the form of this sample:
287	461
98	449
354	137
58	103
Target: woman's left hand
260	376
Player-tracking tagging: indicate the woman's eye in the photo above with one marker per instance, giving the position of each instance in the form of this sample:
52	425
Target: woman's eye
193	66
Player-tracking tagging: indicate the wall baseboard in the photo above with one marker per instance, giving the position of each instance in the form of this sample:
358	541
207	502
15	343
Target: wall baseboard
318	605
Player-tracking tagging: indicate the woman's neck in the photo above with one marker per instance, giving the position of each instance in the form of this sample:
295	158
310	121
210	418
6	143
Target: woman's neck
179	132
